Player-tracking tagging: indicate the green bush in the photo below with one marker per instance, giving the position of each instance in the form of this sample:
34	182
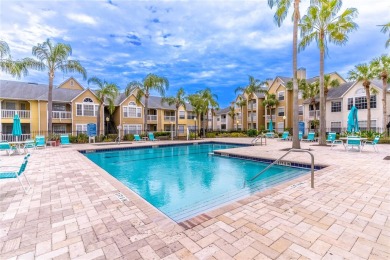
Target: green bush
128	137
73	139
252	132
211	135
157	134
82	138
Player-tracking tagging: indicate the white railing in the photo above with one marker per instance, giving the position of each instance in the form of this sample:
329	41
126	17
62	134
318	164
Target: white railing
152	117
223	120
314	112
6	113
61	115
170	118
12	138
268	117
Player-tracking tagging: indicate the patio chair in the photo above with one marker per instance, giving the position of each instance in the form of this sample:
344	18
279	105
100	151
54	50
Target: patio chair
5	146
300	135
137	138
270	134
372	143
29	144
310	137
353	142
8	172
64	140
332	139
285	136
151	137
40	141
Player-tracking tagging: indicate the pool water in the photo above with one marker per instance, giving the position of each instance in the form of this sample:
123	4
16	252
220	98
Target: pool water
184	181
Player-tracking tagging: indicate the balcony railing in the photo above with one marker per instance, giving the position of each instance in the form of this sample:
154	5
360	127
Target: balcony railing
152	118
223	120
314	112
61	115
268	117
170	118
12	138
6	113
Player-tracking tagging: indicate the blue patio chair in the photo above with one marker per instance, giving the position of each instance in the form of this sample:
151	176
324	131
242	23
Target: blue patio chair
270	134
151	137
64	140
285	136
40	141
8	172
29	144
5	146
300	135
137	138
310	137
353	142
332	139
372	143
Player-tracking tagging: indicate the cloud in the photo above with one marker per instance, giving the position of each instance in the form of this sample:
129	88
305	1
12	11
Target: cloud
82	18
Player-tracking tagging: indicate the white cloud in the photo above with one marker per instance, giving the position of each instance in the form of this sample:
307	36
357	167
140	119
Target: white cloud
82	18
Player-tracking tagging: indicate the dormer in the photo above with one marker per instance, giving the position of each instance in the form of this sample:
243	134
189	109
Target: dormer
71	83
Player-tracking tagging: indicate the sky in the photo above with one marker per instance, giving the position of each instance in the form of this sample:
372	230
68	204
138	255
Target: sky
194	44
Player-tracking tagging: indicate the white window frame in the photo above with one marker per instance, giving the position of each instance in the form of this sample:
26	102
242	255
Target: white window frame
80	107
280	95
182	114
335	124
180	129
280	127
132	129
279	111
59	128
81	128
132	110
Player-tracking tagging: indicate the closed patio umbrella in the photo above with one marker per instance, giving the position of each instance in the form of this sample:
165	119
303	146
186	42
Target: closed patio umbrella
270	127
353	125
16	127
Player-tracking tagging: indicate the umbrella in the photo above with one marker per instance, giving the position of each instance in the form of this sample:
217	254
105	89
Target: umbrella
16	127
353	125
270	127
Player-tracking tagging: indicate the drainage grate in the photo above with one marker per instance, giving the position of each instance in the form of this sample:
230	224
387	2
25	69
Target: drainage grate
386	158
121	197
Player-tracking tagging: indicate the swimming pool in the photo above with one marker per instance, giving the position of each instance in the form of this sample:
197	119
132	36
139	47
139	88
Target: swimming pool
185	181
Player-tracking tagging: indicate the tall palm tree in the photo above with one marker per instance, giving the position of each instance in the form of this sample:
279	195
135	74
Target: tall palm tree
232	114
364	72
381	68
55	57
310	91
198	105
150	82
250	90
282	7
106	92
328	84
241	102
385	29
270	102
211	103
178	101
322	25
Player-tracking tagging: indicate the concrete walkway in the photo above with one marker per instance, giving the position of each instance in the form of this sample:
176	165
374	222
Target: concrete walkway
73	212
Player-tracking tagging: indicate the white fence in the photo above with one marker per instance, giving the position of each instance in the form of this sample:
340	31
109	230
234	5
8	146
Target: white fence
5	113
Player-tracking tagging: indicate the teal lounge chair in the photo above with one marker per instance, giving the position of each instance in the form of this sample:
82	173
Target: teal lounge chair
372	143
8	172
137	138
310	137
64	140
332	139
29	144
151	137
40	141
285	136
270	134
300	135
5	146
353	142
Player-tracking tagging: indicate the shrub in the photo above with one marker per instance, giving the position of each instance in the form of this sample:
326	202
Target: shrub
211	135
73	138
157	134
128	137
82	138
252	132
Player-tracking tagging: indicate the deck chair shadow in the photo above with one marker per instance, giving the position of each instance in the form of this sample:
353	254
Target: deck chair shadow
372	143
151	137
9	172
310	137
5	146
40	141
64	140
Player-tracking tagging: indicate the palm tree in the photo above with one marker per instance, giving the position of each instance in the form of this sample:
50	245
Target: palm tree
310	91
210	102
322	24
150	82
381	67
282	7
178	101
329	83
270	102
232	114
241	102
250	90
106	92
364	72
198	105
54	57
385	29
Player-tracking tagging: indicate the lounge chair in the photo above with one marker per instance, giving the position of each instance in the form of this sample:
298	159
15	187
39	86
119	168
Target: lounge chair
7	172
372	143
151	137
40	141
64	140
332	139
137	138
5	146
352	142
270	134
310	137
285	136
300	135
29	144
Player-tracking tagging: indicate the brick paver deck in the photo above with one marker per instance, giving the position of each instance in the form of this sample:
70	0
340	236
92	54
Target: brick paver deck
72	212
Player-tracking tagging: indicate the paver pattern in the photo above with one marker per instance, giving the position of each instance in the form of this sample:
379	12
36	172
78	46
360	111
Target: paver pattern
72	212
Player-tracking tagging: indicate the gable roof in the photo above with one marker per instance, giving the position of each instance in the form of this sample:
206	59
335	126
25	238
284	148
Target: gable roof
71	78
223	111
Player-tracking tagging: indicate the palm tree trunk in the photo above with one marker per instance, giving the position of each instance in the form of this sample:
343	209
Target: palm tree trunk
295	140
207	118
146	112
322	135
50	104
384	91
98	120
177	121
368	108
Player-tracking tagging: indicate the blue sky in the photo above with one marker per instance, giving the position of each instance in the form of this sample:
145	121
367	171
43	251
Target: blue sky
195	44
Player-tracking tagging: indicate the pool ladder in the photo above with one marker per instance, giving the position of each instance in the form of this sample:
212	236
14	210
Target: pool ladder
260	138
277	160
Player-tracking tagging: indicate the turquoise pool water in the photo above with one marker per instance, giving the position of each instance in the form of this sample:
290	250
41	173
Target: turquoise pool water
185	181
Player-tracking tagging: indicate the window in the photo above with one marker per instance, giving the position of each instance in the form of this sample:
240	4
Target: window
86	109
336	106
280	127
350	103
71	82
132	129
361	102
23	106
59	107
87	100
10	105
60	129
191	115
300	110
81	128
280	111
363	125
182	114
132	111
180	129
281	95
335	127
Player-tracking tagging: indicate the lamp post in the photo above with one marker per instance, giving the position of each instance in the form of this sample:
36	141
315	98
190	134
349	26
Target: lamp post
284	122
195	127
107	120
237	125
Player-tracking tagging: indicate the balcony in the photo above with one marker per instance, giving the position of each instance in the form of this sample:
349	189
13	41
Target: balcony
152	118
6	113
223	120
61	115
315	113
170	118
